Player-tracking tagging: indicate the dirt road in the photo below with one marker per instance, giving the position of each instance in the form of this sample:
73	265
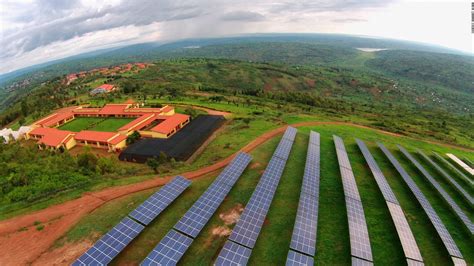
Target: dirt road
21	243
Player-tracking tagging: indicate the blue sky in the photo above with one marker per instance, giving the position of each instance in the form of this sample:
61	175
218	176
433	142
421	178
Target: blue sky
36	31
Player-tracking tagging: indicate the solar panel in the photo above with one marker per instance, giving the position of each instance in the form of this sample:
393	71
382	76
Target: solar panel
235	169
283	149
460	213
358	233
359	262
298	259
169	250
407	239
233	254
314	138
462	164
443	233
305	230
248	227
111	244
414	263
448	177
290	134
454	168
377	173
156	203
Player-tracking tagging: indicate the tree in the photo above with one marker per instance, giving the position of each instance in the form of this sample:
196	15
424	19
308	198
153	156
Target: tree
153	164
24	108
133	137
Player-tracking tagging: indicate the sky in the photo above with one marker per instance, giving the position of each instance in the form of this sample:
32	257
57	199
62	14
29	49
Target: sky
37	31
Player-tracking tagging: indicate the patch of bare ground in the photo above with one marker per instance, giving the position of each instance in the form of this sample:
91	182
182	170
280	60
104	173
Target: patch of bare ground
64	255
233	215
255	165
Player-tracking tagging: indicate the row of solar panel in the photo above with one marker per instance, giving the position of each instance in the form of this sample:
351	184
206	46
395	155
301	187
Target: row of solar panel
112	243
173	246
454	168
440	228
358	232
238	247
448	177
407	239
457	210
303	239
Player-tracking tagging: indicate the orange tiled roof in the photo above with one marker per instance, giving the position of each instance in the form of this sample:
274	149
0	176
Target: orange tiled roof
51	136
117	139
140	122
170	123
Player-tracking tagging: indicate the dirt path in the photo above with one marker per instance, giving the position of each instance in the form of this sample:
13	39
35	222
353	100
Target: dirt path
21	243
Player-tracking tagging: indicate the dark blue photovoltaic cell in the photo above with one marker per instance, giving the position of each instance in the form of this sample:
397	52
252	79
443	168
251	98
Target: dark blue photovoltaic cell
305	230
156	203
169	250
457	210
111	244
298	259
202	210
248	227
443	233
290	134
233	254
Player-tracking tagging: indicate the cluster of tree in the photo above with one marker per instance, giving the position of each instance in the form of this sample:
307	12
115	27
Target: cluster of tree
27	174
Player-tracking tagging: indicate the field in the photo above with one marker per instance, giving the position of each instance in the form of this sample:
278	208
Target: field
333	241
96	124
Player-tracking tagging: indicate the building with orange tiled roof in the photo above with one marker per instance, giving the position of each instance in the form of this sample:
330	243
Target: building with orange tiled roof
149	122
104	88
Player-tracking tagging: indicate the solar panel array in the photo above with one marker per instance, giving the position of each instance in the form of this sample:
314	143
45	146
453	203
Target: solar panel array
177	241
247	229
443	233
460	213
303	239
112	243
454	168
410	248
155	204
358	233
448	177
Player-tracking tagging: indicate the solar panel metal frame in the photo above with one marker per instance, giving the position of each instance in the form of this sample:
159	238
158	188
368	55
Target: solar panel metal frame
248	227
298	259
156	203
358	232
169	250
454	206
448	177
111	244
233	254
443	233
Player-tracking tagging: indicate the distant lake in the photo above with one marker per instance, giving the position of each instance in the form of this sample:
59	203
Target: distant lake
371	49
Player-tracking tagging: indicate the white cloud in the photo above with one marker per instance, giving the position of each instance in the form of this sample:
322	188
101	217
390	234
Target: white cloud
32	32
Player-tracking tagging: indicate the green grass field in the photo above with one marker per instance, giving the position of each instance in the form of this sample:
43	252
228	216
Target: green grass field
96	124
333	239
